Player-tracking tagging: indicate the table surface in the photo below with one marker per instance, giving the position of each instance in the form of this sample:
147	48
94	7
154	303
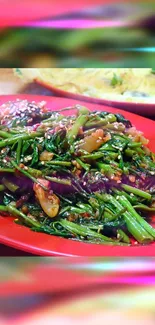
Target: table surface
10	84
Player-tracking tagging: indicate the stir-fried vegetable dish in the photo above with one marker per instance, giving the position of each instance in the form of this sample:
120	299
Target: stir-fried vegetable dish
88	177
127	85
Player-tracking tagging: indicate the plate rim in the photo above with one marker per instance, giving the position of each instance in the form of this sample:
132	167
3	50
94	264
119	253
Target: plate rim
112	103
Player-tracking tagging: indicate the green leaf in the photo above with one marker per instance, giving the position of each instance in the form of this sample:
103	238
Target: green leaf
35	156
26	146
116	80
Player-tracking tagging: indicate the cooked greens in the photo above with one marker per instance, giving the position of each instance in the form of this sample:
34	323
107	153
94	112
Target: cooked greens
88	177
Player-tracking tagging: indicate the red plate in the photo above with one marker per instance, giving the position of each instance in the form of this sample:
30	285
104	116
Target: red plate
145	109
23	238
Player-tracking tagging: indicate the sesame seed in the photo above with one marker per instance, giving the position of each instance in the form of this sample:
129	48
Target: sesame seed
3	150
27	158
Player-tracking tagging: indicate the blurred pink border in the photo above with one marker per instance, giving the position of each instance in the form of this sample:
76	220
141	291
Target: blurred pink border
75	24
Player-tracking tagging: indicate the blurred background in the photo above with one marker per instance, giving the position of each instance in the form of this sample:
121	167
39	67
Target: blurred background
86	34
66	291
